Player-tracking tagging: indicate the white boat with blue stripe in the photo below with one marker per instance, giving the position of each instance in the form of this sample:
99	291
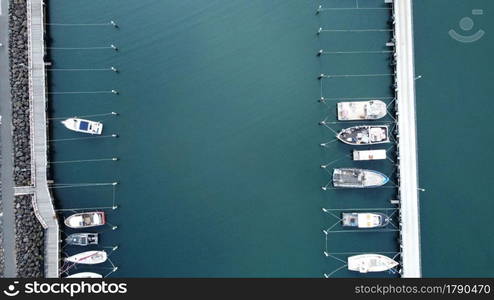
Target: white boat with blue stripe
84	126
358	178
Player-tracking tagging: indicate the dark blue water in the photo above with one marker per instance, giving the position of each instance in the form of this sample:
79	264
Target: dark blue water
454	104
218	142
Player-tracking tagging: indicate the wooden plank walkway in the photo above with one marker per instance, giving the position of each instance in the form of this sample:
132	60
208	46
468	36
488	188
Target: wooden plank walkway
407	144
42	200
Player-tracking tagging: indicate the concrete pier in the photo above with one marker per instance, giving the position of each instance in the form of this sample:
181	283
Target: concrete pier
42	200
407	141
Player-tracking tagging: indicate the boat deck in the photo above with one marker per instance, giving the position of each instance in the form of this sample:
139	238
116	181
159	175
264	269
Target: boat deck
347	177
352	110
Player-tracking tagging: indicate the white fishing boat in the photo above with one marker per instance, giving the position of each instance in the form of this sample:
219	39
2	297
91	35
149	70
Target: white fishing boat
84	126
82	239
365	263
358	178
85	275
85	220
378	154
88	257
361	110
364	220
364	135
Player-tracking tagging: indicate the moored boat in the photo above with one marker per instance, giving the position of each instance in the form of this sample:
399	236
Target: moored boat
364	135
85	275
84	126
364	220
82	239
377	154
361	110
358	178
365	263
85	220
88	257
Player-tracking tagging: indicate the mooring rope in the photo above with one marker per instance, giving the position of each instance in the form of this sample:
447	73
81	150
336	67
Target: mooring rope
84	92
85	116
78	48
357	52
83	160
111	23
84	138
74	70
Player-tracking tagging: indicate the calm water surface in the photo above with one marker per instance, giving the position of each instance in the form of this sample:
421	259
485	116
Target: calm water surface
454	105
218	150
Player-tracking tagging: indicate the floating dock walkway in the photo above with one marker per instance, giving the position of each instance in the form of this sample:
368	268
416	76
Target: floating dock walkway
42	199
407	139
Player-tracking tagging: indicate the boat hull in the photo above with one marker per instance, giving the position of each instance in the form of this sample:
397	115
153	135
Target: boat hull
85	220
358	178
88	258
82	239
364	220
364	135
362	155
83	126
85	275
361	110
366	263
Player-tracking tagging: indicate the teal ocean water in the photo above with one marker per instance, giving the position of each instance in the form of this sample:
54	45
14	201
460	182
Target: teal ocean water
218	142
218	139
454	104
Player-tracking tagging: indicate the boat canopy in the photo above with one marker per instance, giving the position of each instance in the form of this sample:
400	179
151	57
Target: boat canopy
83	125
